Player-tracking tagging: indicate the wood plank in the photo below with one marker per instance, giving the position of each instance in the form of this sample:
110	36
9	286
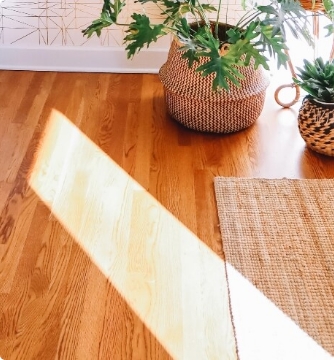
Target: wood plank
109	238
13	92
140	247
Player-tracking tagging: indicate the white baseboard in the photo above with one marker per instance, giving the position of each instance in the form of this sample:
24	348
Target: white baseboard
81	59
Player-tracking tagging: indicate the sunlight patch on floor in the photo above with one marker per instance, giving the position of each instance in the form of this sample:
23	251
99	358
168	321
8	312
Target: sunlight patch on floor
172	281
263	330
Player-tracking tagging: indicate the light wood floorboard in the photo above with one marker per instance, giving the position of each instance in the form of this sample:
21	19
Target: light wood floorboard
109	239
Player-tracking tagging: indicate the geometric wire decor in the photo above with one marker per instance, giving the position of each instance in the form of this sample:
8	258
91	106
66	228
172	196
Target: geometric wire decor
59	23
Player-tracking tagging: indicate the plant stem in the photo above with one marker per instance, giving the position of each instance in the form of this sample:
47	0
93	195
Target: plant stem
201	13
247	18
217	19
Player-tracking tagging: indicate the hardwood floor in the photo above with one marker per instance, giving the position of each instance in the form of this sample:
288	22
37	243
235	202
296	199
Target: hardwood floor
109	238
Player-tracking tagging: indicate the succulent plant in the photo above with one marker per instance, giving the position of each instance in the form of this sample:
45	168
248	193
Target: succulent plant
317	79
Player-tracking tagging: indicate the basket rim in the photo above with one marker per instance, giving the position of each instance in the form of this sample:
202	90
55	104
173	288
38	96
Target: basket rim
314	101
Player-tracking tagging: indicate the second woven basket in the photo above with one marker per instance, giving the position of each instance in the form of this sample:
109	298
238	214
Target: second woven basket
191	101
316	125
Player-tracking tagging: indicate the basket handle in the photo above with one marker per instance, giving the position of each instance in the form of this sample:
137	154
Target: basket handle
294	101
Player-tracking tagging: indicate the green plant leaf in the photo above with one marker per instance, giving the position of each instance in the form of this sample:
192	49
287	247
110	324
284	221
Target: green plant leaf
141	32
242	45
274	43
329	8
192	43
191	56
330	29
109	14
223	69
171	9
268	9
286	12
234	35
317	79
184	31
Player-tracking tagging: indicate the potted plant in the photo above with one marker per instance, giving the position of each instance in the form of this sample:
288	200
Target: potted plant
224	62
316	114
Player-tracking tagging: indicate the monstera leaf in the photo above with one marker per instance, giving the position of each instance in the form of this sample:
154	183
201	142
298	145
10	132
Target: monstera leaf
222	66
109	14
141	32
274	43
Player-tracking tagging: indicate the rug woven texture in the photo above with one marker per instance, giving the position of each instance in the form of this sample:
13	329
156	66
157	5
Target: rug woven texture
279	234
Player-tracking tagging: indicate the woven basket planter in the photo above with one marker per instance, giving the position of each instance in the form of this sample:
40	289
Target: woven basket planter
316	5
316	125
191	101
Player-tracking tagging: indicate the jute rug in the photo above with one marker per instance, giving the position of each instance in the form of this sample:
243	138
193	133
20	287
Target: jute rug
278	240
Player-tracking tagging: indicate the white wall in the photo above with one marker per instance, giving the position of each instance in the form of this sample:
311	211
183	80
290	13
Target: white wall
46	35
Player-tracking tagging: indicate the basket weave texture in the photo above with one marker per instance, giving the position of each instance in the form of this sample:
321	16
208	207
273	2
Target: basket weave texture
316	6
316	126
191	101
